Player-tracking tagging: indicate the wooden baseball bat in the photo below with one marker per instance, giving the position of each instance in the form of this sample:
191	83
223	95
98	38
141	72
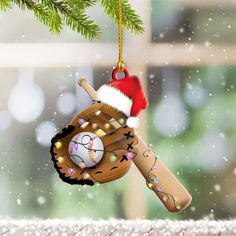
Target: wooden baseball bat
158	178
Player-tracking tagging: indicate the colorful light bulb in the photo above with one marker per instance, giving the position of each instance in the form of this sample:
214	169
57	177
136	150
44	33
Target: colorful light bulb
129	155
154	168
155	180
165	198
72	171
81	121
58	145
97	113
82	165
178	207
159	189
94	126
60	160
121	121
86	176
107	126
76	147
113	158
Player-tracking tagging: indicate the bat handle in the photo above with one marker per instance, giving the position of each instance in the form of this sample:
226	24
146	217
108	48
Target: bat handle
88	88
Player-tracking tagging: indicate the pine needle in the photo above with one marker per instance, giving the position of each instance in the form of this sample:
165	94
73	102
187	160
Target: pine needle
5	5
130	19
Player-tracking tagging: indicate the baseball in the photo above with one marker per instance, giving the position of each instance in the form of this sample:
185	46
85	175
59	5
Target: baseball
86	149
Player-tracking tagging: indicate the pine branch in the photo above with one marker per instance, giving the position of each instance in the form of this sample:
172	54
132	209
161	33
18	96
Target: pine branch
130	19
74	17
44	14
5	5
55	13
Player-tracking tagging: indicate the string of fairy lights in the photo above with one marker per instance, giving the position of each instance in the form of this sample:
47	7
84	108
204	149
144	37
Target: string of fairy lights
153	183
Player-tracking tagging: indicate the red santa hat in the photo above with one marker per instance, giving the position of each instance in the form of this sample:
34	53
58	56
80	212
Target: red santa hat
126	95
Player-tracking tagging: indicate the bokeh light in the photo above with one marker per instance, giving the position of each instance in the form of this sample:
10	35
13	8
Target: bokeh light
26	100
170	117
194	95
214	152
66	103
44	133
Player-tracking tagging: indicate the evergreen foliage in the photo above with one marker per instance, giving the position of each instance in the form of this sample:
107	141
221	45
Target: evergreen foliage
57	13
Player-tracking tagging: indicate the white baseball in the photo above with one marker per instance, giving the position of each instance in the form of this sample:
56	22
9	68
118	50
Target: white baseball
86	149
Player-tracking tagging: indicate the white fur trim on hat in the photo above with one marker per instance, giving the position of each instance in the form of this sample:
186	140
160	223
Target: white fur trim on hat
115	98
132	122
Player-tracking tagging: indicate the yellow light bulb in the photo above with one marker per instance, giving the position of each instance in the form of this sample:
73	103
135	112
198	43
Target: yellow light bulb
60	160
86	176
58	145
107	125
178	207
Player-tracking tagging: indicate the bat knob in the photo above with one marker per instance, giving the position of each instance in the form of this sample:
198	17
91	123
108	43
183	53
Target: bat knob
81	82
88	88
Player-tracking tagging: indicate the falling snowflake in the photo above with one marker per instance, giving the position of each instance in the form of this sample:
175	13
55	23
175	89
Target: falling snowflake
41	200
193	208
217	187
18	201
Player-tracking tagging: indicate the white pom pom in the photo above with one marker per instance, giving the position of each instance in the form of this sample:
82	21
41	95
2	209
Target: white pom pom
132	122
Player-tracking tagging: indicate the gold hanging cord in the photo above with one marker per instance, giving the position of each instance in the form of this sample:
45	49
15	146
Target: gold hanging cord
121	65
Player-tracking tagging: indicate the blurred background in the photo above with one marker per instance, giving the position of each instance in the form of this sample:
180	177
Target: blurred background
187	63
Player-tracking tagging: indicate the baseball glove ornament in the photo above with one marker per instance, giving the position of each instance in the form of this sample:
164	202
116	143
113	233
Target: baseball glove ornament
94	147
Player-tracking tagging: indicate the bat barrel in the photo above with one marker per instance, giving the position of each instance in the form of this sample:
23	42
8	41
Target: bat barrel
159	179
